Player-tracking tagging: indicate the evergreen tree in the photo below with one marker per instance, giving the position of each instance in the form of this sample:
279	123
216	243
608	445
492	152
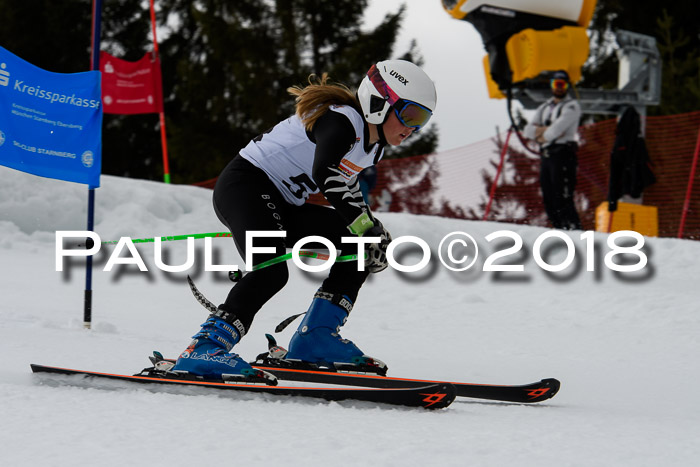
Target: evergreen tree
227	66
52	35
130	143
514	201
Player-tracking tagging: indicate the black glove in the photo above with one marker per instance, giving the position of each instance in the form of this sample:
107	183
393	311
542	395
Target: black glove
376	260
612	206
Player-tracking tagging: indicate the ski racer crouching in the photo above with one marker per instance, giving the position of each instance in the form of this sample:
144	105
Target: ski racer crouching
334	134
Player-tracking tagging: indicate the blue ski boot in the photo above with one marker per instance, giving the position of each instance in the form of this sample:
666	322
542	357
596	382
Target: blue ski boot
208	355
317	340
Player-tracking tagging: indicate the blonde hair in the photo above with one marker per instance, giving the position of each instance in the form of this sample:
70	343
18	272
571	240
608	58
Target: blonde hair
313	100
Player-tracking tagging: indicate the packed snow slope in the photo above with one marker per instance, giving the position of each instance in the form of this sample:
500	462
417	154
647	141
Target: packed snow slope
624	345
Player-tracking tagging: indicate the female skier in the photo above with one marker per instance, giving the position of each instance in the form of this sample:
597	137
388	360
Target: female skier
333	136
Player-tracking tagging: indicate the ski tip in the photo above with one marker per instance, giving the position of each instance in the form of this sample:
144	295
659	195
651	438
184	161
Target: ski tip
437	396
553	383
546	389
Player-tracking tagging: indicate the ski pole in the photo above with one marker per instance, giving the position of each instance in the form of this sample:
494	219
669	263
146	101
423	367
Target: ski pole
174	237
235	276
165	239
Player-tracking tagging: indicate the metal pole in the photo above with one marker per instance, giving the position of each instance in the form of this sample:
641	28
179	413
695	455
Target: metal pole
163	140
94	65
498	174
87	308
689	191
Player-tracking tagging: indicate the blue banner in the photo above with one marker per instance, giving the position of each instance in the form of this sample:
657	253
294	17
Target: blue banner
50	123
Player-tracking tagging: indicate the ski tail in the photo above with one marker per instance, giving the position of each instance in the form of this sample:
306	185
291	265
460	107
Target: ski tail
428	396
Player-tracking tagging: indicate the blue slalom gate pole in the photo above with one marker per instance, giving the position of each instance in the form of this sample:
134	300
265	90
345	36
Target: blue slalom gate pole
94	65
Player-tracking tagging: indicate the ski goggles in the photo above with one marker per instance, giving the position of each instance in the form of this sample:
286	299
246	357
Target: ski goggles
410	114
559	84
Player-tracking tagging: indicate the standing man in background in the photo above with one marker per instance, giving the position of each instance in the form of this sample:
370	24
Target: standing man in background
554	128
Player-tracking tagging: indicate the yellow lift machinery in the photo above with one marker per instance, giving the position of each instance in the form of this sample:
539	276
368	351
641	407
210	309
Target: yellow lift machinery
527	40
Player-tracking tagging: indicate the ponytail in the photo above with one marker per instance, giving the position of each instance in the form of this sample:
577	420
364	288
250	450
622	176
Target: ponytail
313	100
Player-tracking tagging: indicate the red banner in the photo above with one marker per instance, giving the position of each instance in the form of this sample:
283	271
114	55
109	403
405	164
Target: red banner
131	87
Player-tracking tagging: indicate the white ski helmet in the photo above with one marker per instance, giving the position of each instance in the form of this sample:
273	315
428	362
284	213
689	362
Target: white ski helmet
400	85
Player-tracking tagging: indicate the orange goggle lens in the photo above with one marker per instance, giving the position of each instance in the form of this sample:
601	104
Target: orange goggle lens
412	114
559	84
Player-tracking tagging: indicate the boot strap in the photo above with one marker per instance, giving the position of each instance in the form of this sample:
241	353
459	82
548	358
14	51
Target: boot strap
226	334
230	319
335	299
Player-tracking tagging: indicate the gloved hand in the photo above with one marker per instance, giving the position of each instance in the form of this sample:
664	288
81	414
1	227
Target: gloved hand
612	206
376	260
366	226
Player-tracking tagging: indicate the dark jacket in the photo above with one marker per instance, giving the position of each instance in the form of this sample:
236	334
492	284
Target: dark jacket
630	167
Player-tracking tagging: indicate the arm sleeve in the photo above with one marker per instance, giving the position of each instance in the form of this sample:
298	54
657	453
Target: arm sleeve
529	131
334	136
566	122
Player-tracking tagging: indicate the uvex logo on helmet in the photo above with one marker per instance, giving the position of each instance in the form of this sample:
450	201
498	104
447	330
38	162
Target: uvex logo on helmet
396	75
382	84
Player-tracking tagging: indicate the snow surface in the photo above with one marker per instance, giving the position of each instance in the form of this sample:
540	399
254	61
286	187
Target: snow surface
624	345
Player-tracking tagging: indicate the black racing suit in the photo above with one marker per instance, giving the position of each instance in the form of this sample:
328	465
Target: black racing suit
246	199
